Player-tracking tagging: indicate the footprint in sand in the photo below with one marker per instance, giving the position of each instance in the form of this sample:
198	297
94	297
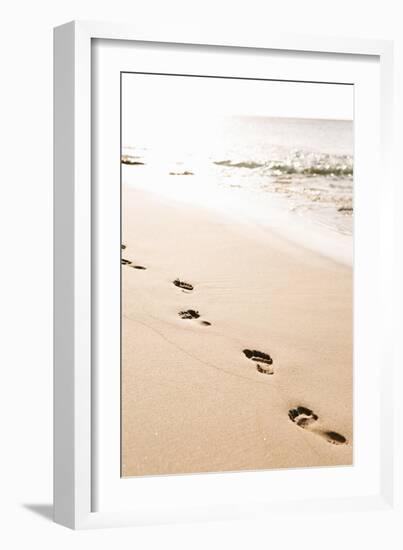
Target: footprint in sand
130	263
183	285
189	314
306	418
302	416
192	314
335	438
263	360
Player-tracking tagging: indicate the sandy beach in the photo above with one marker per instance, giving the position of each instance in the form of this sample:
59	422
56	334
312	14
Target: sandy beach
249	365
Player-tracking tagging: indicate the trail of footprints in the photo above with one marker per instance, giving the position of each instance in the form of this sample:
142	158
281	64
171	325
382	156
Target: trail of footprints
302	416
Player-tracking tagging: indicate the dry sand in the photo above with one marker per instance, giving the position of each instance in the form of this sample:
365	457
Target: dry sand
191	400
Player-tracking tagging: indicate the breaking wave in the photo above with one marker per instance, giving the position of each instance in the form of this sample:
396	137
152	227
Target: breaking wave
245	164
299	163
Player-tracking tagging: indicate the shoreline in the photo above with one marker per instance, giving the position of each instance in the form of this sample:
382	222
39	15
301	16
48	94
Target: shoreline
192	400
265	210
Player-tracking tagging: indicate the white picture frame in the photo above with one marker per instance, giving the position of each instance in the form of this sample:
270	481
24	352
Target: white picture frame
77	472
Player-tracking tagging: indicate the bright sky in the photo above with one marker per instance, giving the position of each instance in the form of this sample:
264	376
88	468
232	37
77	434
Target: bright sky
150	101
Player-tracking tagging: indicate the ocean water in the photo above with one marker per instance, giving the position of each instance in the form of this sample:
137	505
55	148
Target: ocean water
262	165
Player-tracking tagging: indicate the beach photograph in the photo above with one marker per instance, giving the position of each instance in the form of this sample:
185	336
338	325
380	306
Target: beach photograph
236	274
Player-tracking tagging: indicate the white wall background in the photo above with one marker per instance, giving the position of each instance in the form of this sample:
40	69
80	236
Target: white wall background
26	272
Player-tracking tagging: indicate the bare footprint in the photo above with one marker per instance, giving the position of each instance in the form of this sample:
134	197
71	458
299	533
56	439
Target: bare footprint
189	314
306	418
302	416
193	314
263	360
129	262
183	285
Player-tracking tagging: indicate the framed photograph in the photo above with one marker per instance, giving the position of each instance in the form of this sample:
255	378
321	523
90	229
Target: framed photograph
223	276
